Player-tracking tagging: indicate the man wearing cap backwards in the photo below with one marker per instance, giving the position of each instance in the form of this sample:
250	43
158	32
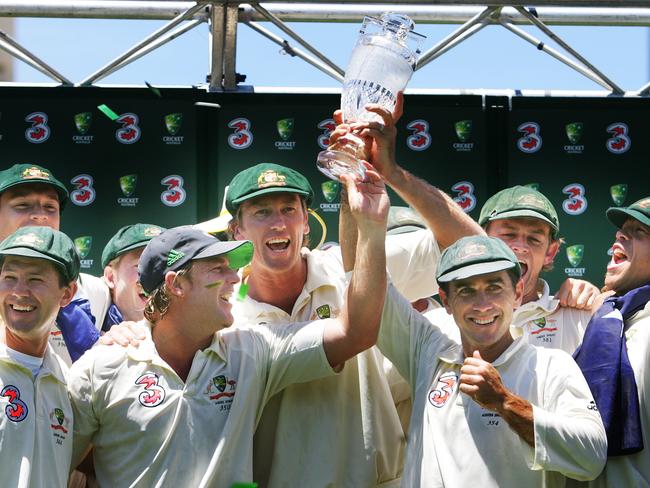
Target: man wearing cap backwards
520	216
289	283
31	195
39	267
181	409
615	352
492	411
120	262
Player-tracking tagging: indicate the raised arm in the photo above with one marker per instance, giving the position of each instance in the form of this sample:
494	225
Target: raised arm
357	326
442	215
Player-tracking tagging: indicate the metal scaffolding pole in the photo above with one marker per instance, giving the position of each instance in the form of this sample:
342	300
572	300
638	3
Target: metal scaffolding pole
294	51
18	51
102	72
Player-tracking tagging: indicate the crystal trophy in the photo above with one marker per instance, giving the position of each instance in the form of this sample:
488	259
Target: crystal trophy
381	65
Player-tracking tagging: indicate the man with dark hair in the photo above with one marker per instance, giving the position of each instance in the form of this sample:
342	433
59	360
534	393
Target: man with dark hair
30	195
615	352
194	391
38	271
525	417
120	262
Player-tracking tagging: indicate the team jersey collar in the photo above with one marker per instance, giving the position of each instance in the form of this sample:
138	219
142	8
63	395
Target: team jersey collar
52	364
454	353
543	306
146	350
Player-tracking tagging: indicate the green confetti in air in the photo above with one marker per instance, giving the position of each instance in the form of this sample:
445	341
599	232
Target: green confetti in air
108	112
241	294
244	485
153	89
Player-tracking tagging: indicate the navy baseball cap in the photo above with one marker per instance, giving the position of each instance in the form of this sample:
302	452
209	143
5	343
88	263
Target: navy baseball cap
175	247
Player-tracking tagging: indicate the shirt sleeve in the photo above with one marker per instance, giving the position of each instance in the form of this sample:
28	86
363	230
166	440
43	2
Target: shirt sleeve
412	260
404	334
295	354
80	389
569	433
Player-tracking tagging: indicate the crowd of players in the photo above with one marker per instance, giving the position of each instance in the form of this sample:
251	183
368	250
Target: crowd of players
321	368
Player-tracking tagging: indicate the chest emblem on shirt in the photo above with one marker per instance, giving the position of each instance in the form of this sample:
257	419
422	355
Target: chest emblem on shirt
153	394
17	410
541	325
221	391
60	424
444	389
324	312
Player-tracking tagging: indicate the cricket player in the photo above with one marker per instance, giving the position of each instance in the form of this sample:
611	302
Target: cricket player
615	353
490	411
522	217
181	409
39	267
120	262
31	195
288	282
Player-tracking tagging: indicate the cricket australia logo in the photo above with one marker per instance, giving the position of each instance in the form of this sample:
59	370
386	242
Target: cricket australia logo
173	124
221	391
444	389
17	410
60	425
153	394
82	122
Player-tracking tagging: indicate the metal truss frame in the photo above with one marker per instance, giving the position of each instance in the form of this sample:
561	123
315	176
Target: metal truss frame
224	18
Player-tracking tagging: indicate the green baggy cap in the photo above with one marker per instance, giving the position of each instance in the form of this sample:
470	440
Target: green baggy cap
638	210
475	255
128	238
520	201
44	243
20	174
266	178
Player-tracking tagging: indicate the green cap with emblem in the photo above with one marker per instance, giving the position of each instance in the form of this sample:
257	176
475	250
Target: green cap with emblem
476	255
520	201
44	243
266	178
402	220
128	238
20	174
639	210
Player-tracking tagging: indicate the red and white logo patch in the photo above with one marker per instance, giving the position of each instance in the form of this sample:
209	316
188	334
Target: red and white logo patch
130	132
531	141
577	201
153	394
17	410
420	139
327	126
242	137
465	197
175	194
84	194
444	389
620	142
39	132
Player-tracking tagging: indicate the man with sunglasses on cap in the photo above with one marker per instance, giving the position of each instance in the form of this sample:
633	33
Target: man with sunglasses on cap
30	195
490	411
39	267
615	352
120	262
181	409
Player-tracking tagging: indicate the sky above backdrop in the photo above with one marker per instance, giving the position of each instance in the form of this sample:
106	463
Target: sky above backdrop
491	59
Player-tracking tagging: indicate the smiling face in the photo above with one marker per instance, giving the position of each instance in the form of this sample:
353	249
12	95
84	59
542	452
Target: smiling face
30	297
629	267
276	223
530	240
482	307
28	204
121	275
209	287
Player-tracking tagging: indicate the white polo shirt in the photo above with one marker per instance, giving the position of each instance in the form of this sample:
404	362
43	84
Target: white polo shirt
35	424
341	431
542	322
150	428
634	470
454	442
98	295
